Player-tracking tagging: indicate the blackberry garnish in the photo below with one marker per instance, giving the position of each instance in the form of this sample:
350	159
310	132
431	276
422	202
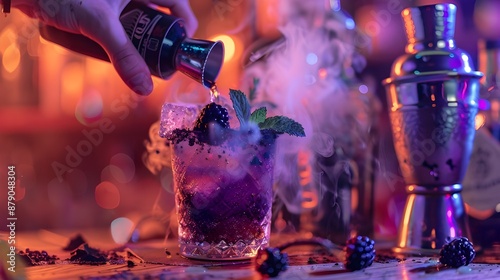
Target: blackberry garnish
212	113
271	261
211	124
360	253
268	137
458	252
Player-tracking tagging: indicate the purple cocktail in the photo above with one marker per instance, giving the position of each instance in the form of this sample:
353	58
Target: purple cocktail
223	181
223	198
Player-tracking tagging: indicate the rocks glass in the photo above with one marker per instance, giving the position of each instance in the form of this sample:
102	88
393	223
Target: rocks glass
223	193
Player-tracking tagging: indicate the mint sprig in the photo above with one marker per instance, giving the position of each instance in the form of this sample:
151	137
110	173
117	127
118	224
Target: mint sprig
279	124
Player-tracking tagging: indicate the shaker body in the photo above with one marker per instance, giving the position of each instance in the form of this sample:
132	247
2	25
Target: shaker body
432	94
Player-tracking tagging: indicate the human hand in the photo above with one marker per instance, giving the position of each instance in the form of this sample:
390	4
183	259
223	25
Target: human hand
99	20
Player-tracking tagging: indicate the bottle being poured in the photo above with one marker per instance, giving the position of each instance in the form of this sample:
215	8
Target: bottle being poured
160	39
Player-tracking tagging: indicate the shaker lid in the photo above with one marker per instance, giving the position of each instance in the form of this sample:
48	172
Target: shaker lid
431	53
429	26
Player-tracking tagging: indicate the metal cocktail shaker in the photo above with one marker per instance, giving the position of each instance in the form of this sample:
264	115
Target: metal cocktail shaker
160	39
432	95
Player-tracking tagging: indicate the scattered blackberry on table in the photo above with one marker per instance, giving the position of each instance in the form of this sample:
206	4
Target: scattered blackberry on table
458	252
88	255
75	242
270	261
360	253
37	257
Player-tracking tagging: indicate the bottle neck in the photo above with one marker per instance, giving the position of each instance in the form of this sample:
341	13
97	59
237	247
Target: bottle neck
489	64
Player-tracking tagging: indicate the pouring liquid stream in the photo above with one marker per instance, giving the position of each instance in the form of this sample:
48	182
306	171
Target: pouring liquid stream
214	94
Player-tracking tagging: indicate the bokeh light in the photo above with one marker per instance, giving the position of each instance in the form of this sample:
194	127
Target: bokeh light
229	46
72	81
11	58
322	73
107	195
363	89
7	37
121	230
479	121
89	108
72	78
311	58
350	23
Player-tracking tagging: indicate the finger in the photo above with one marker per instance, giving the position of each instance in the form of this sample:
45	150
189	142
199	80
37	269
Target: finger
109	33
131	68
182	9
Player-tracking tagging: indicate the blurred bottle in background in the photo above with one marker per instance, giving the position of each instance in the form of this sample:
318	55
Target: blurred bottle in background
489	61
482	180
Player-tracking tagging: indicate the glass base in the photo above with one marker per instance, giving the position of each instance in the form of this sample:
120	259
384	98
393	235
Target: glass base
240	250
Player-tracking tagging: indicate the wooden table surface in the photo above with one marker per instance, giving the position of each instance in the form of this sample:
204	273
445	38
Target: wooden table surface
305	263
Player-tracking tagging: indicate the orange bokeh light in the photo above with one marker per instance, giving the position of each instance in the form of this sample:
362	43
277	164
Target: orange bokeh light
11	58
229	46
107	195
72	82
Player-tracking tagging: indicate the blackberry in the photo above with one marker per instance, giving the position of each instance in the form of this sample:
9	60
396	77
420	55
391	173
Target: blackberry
360	253
212	113
270	261
212	124
75	242
88	255
268	137
458	252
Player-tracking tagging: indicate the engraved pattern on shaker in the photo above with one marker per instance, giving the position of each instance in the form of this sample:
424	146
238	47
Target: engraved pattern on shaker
418	145
139	26
129	20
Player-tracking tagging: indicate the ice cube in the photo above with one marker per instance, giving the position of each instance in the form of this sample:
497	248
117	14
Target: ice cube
177	116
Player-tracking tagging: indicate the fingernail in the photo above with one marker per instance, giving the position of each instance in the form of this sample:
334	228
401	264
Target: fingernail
142	84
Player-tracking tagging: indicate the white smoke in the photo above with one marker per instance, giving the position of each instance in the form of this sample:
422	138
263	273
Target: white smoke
309	74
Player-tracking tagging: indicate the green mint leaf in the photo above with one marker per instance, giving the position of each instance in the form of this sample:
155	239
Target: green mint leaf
259	115
282	124
241	105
